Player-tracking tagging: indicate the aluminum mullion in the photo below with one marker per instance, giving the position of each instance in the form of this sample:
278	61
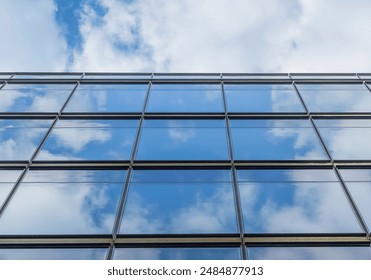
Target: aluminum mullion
237	198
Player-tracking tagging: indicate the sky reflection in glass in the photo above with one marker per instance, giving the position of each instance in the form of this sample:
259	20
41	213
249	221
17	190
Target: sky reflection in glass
53	254
108	98
275	140
180	201
20	138
358	182
185	98
7	181
313	199
183	140
177	254
309	253
34	97
262	98
90	140
67	202
335	97
347	139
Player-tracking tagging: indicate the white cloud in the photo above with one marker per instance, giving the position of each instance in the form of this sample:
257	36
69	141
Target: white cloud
31	39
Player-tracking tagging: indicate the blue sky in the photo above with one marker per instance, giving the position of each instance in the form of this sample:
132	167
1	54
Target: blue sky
185	35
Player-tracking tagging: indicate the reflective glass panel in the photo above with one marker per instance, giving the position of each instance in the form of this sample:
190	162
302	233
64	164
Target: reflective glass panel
322	77
4	77
53	254
108	98
358	182
64	202
177	254
183	140
7	181
185	76
185	98
47	76
336	97
117	76
347	139
90	140
247	76
34	97
275	140
309	253
294	201
20	138
180	201
260	98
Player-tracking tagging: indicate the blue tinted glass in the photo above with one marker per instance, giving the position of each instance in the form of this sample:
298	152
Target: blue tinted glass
7	181
358	182
177	254
67	202
273	199
262	98
185	76
53	254
310	253
135	76
20	138
275	140
346	139
185	98
108	98
90	140
34	97
180	201
183	140
336	98
48	76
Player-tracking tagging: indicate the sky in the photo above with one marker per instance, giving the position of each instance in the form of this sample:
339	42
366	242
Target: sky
185	35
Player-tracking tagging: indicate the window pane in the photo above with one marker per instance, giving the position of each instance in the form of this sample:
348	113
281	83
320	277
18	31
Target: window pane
325	76
177	254
275	140
53	254
117	76
34	97
186	76
294	201
90	140
262	98
183	140
346	139
336	98
66	202
185	98
180	201
48	76
7	181
310	253
7	76
358	182
255	76
108	98
20	138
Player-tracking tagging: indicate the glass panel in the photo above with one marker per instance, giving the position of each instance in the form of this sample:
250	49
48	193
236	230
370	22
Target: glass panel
321	77
310	253
48	76
365	76
294	201
7	181
108	98
180	201
346	139
53	254
185	76
177	254
358	182
254	76
67	202
20	138
7	76
185	98
262	98
183	140
117	76
275	140
336	98
34	97
90	140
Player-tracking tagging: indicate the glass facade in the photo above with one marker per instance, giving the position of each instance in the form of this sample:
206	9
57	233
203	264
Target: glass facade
185	166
